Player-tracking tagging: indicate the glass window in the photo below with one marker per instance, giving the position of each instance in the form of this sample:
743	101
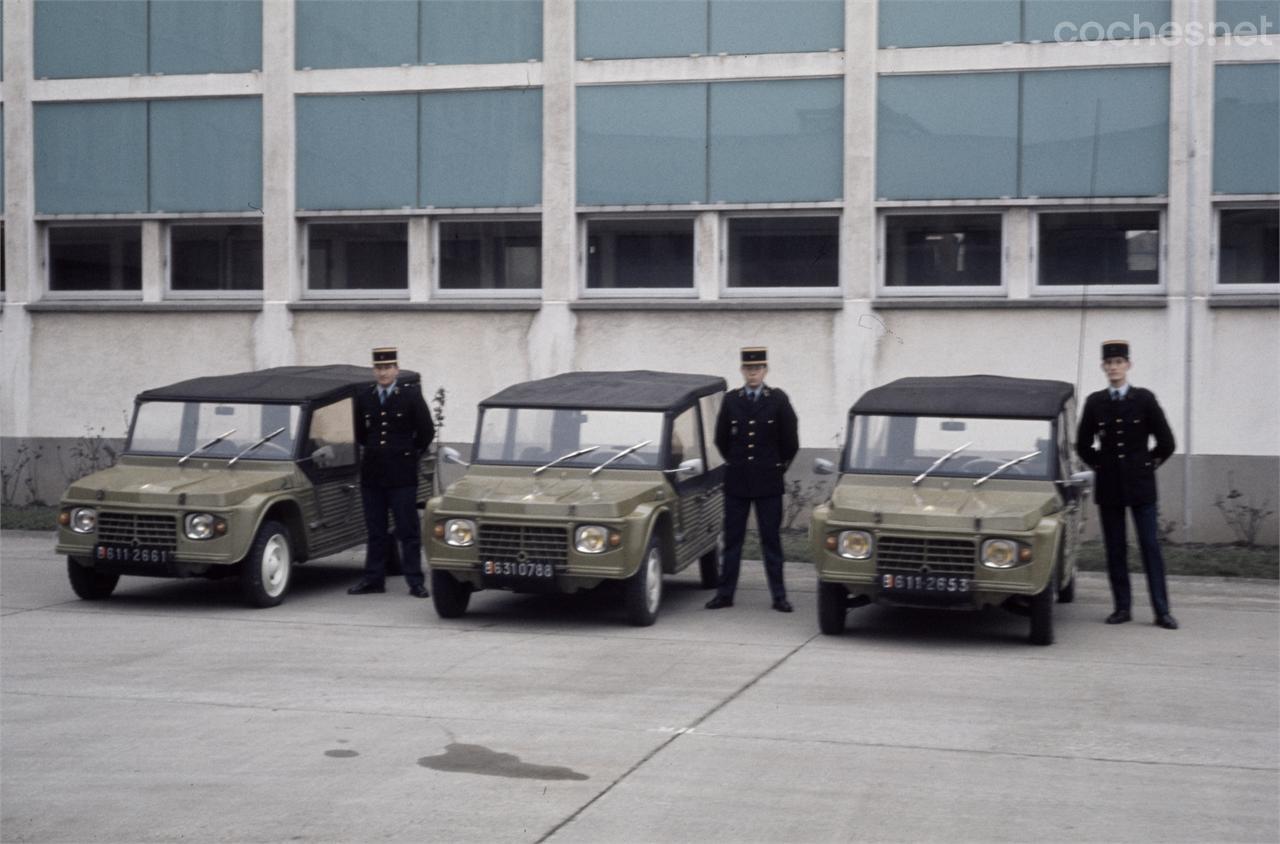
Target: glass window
623	29
776	26
91	158
710	412
331	441
1099	248
470	32
80	38
1248	246
639	253
784	251
357	151
215	257
1246	128
481	148
942	250
686	438
491	255
776	141
535	436
909	445
177	428
947	137
205	36
932	23
1237	16
206	154
1093	20
95	258
358	256
356	33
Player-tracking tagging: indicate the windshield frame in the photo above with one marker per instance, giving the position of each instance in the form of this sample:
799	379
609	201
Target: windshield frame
662	440
294	430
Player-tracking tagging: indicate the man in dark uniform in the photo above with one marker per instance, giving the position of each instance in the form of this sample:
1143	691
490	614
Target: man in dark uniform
1122	419
756	434
394	428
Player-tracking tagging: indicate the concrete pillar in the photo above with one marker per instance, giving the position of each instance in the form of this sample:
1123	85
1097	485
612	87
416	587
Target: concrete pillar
281	266
22	265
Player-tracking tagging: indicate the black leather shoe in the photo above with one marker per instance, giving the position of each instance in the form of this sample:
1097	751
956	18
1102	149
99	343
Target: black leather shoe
782	605
1167	621
419	591
365	587
1119	617
719	602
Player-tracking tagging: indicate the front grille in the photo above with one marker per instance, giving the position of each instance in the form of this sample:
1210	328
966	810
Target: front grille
541	544
148	530
942	556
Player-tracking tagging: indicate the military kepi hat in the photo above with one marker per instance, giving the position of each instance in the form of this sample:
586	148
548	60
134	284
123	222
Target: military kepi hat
385	356
755	356
1115	349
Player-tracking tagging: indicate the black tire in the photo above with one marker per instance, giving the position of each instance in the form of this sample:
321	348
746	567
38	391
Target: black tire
90	584
449	595
833	604
709	569
267	570
642	593
1042	613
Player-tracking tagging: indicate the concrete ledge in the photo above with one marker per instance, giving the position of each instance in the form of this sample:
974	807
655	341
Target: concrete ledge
640	304
1245	300
956	303
438	305
86	306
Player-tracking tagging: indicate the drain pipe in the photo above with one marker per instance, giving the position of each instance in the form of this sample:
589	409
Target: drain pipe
1190	270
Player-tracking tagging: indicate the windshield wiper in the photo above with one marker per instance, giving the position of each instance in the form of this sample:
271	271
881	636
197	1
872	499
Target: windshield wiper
210	444
620	455
262	441
564	457
997	470
943	459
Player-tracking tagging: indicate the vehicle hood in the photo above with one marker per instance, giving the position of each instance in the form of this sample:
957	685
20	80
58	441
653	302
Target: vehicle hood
943	504
162	484
573	493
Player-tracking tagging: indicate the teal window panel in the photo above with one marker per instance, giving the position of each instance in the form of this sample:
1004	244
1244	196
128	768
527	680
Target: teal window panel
947	136
481	148
1248	17
356	33
471	32
206	36
1093	20
357	151
91	158
1095	132
931	23
642	144
776	26
624	29
1	168
83	38
206	154
776	141
1246	128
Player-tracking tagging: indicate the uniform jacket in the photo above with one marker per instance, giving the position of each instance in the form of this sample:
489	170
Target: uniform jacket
758	441
1122	458
393	436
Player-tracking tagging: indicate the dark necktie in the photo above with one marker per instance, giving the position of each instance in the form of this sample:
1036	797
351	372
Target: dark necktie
382	396
1115	395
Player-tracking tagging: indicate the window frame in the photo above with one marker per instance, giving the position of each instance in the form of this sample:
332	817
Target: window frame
1215	243
45	250
835	291
885	290
348	294
1083	291
438	292
585	292
167	258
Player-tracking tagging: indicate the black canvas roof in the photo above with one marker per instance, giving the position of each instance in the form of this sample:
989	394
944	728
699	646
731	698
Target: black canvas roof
633	390
967	395
283	384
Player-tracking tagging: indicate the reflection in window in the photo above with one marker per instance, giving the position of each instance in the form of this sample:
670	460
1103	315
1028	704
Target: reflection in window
215	257
639	253
1111	247
942	250
491	255
686	439
1249	246
784	251
101	258
331	441
358	256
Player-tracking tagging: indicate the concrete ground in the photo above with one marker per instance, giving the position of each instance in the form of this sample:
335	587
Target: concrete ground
171	712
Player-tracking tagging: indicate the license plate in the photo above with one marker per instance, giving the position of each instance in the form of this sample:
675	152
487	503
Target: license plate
933	584
511	573
132	554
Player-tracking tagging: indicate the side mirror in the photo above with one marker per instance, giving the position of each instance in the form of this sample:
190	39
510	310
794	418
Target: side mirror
823	466
451	455
323	456
689	468
1083	478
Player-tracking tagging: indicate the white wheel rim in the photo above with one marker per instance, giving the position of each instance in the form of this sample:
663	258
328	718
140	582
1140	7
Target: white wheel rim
275	565
653	580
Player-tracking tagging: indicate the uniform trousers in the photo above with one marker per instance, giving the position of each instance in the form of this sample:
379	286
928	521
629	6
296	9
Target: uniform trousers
1113	534
403	503
769	521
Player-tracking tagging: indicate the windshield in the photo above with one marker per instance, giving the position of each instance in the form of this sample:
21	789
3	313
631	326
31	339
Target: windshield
909	445
537	436
179	428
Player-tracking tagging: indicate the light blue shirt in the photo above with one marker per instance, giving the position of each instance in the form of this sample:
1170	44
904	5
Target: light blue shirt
1122	391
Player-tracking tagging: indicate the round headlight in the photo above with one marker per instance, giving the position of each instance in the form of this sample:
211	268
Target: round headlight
999	553
854	544
199	525
460	532
84	519
591	539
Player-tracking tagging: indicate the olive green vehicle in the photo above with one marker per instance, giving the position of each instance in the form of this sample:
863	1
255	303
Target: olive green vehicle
226	476
578	480
959	493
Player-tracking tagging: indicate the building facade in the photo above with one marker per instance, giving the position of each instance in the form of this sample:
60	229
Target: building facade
507	189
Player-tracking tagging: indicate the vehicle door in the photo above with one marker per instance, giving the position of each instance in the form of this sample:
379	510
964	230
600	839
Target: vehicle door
330	460
700	495
1076	498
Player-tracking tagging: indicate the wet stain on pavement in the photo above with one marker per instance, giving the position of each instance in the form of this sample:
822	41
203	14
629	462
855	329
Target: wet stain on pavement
477	759
341	754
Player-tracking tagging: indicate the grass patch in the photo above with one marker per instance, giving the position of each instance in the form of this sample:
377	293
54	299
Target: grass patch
29	518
